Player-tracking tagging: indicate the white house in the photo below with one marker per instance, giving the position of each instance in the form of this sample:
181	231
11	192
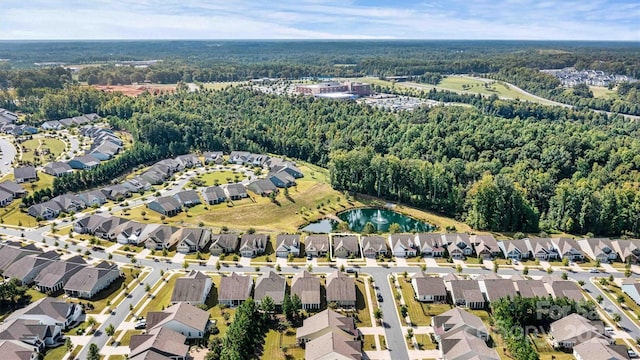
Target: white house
402	245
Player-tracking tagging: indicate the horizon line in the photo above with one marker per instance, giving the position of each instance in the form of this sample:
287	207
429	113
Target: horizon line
321	39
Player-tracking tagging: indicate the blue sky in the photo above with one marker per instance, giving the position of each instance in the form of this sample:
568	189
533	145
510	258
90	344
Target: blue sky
321	19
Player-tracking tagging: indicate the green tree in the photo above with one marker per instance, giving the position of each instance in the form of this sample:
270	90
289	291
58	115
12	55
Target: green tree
110	330
369	228
94	352
395	228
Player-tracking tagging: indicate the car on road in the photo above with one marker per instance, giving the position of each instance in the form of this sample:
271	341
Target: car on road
594	271
632	354
156	260
6	163
351	270
379	297
309	257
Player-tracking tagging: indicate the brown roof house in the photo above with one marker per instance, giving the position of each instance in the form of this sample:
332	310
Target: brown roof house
159	343
374	246
333	346
317	245
27	268
182	318
287	244
428	288
430	244
87	282
467	293
307	287
325	322
252	245
272	285
458	244
486	246
462	335
55	275
17	350
224	243
341	289
234	289
345	246
568	248
531	288
574	329
495	289
191	289
402	245
599	349
564	288
192	239
598	249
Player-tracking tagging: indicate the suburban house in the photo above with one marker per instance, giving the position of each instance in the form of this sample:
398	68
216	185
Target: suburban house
192	289
486	246
57	168
531	288
7	117
50	311
129	232
84	162
329	335
272	285
374	246
183	318
13	188
287	244
234	289
341	289
262	187
514	249
27	268
307	287
288	168
574	329
628	250
189	160
599	349
631	287
159	238
188	198
495	289
458	244
25	174
55	275
116	192
172	165
15	349
256	159
462	335
10	253
137	185
6	198
93	198
69	203
402	245
165	205
563	288
235	191
51	125
428	288
252	245
542	249
466	293
345	246
192	239
87	282
599	249
97	224
568	248
213	157
31	332
223	243
214	195
47	210
239	157
317	245
160	343
430	244
281	179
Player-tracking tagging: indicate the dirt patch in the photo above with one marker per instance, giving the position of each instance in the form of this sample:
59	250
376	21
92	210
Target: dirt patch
137	89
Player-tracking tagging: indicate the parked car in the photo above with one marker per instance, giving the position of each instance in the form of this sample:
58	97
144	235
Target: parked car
141	324
594	271
309	257
351	270
632	354
379	297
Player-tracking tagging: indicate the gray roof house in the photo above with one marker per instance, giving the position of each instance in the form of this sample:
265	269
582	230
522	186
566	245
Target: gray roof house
160	343
234	289
307	287
6	198
466	293
27	268
287	244
188	198
160	237
428	288
456	320
564	288
631	287
194	288
25	174
568	248
239	157
531	288
214	195
47	210
574	329
192	239
598	249
224	243
252	245
341	289
495	289
87	282
325	322
31	332
542	248
56	274
317	245
116	192
12	253
93	197
13	188
213	157
345	246
50	311
235	191
262	187
18	350
599	349
462	335
272	285
402	245
84	162
374	246
57	168
486	246
182	318
189	160
166	205
430	244
281	179
628	250
515	249
458	244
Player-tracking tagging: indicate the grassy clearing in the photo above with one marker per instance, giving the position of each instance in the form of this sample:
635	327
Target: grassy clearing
221	177
41	150
56	353
369	343
544	349
383	342
602	92
278	345
420	313
362	305
163	298
424	342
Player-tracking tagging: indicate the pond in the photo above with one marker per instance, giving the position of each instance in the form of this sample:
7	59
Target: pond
380	218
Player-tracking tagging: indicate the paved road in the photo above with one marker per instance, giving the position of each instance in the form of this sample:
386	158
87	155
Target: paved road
7	156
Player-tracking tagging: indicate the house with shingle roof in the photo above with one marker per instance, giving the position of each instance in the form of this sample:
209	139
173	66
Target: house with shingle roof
458	244
287	244
600	249
574	329
428	288
213	157
192	288
252	245
495	289
56	274
166	205
50	311
272	285
160	343
188	198
345	246
25	174
189	160
531	288
93	198
47	210
563	288
324	322
18	350
402	245
84	162
542	248
374	246
307	287
192	239
13	188
183	318
262	187
31	332
159	237
239	157
12	253
568	248
6	198
341	289
281	179
214	195
27	268
515	249
628	250
57	168
234	289
90	280
317	245
486	246
224	243
466	293
235	191
332	345
430	244
599	349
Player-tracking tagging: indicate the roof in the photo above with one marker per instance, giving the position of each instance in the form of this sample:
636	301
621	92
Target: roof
9	254
286	242
58	270
566	288
187	196
236	189
262	186
25	172
272	285
168	203
565	245
183	313
460	346
599	349
332	343
430	239
22	329
405	241
163	340
317	242
225	240
531	288
376	243
457	317
499	288
234	287
16	350
253	241
190	288
52	307
575	326
340	287
214	193
469	290
428	285
86	278
307	287
23	266
57	167
349	242
87	160
12	187
326	319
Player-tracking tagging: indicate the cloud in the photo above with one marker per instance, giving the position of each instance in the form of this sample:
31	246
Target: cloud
315	19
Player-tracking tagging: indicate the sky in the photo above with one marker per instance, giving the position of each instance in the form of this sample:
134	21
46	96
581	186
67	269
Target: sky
320	19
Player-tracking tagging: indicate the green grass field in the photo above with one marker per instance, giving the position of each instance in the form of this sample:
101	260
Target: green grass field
33	150
221	177
602	92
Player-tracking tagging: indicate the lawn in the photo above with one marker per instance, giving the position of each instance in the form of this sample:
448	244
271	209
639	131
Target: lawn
369	343
602	92
126	339
32	146
424	342
419	313
162	299
383	342
276	342
107	295
362	306
221	177
56	353
545	350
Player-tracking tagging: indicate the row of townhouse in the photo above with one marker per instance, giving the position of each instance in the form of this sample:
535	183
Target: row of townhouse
105	145
51	274
36	327
70	122
478	293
